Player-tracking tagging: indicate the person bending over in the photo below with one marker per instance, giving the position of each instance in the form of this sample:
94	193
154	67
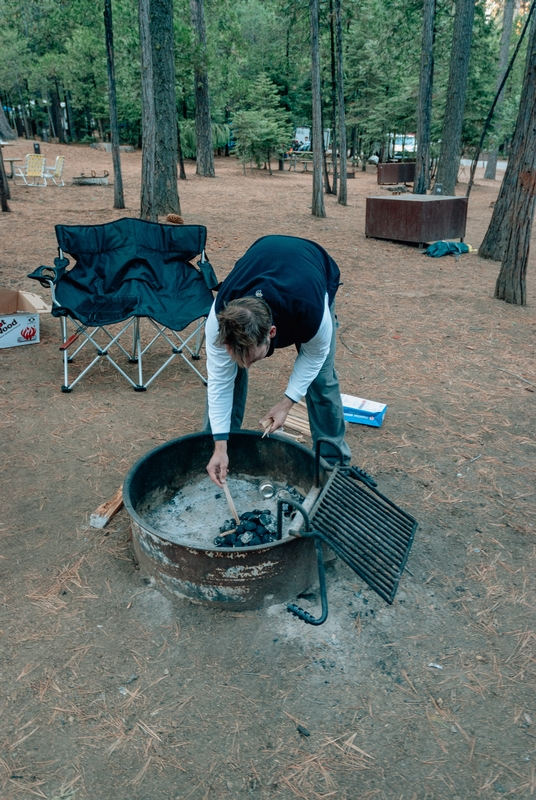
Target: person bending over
280	293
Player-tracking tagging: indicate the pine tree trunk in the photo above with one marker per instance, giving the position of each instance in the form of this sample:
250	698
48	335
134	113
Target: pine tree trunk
6	133
327	185
4	189
495	240
148	117
182	172
119	201
318	209
334	143
519	190
165	103
159	193
25	120
56	112
343	189
506	33
203	126
449	158
424	111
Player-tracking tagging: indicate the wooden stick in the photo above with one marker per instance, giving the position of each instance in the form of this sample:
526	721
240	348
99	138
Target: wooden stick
292	422
266	424
299	420
107	510
297	437
298	429
232	506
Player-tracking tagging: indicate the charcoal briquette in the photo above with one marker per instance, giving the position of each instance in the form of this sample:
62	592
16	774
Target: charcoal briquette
230	539
219	541
249	526
260	530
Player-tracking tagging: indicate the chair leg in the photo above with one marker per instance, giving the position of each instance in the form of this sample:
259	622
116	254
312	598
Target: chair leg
140	387
63	326
198	343
135	337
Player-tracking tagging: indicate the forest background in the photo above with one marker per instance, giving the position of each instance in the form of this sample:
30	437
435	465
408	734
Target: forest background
53	67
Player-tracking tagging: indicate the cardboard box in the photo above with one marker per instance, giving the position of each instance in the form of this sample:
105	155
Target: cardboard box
19	317
364	412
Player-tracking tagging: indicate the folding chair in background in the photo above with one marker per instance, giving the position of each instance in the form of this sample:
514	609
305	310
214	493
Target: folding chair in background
33	168
55	173
126	271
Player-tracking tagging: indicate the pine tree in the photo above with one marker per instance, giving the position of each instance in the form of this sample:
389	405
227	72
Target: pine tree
518	192
424	111
449	158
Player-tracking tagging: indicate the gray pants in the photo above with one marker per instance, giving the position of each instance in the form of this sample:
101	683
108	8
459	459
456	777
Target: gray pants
323	404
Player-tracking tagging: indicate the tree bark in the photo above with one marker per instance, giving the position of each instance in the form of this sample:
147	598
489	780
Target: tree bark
520	190
6	133
25	120
119	201
449	158
159	194
182	172
162	38
506	33
148	117
4	189
424	111
318	209
203	122
343	191
495	240
334	142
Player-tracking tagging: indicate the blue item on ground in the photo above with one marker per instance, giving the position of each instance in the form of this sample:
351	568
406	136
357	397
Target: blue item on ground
438	249
364	412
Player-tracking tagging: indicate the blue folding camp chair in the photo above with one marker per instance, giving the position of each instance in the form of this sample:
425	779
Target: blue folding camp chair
126	271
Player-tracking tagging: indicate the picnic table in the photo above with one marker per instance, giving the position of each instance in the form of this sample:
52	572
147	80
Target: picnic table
304	157
11	162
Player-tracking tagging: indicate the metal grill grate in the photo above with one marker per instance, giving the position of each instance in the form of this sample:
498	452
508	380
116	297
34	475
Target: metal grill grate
369	532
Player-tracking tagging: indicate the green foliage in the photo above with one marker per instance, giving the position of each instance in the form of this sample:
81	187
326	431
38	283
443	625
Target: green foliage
220	137
259	62
261	128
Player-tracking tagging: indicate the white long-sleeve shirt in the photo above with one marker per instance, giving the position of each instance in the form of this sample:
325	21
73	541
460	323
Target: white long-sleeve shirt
222	370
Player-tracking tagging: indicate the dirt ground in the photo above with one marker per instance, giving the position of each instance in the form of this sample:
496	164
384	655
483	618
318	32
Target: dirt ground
111	690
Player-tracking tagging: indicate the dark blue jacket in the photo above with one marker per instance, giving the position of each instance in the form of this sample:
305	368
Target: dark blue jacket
292	275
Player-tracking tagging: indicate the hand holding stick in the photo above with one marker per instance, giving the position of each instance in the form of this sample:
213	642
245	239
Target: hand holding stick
232	506
266	424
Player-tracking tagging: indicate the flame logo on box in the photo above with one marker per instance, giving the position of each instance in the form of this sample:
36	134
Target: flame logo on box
28	333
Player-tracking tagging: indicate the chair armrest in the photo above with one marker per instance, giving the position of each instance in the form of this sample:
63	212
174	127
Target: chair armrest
209	275
49	276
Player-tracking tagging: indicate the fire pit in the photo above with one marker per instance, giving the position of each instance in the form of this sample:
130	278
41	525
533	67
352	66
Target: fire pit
237	578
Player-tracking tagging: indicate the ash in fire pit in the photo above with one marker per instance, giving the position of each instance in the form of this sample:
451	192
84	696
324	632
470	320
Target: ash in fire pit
198	512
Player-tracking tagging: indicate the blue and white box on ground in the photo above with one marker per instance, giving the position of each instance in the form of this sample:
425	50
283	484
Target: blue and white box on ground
364	412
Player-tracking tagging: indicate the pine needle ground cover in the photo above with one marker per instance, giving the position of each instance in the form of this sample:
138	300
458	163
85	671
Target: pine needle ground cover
109	689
